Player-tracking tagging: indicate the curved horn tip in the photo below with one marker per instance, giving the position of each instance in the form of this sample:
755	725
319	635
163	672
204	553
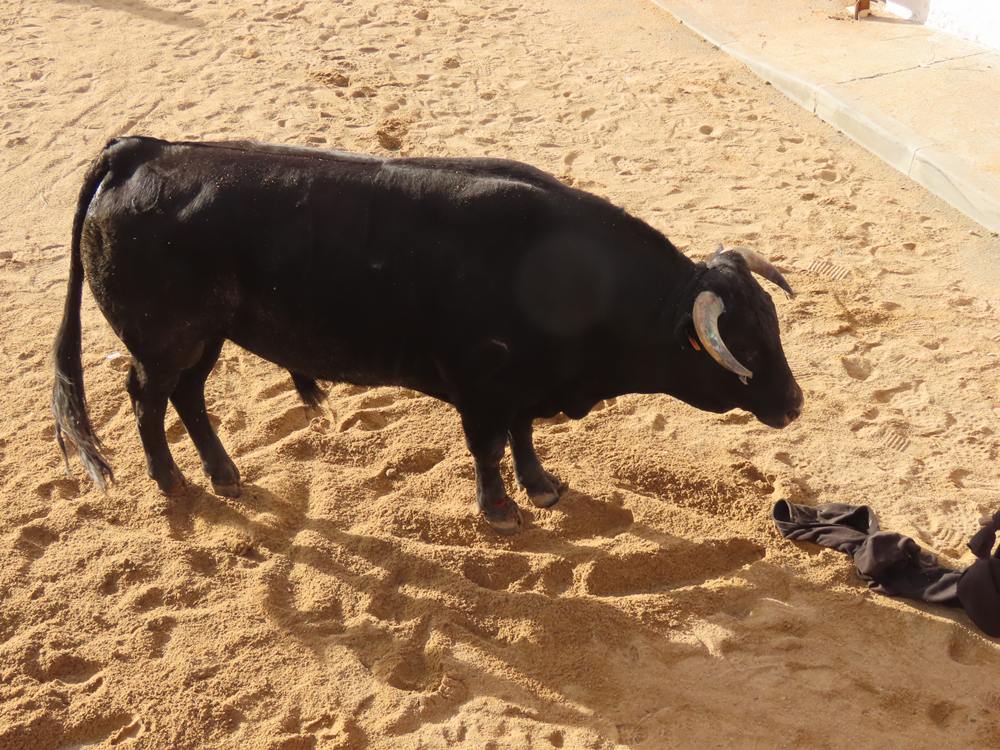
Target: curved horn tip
763	267
708	306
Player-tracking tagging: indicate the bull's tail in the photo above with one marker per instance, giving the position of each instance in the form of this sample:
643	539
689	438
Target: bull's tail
308	389
69	405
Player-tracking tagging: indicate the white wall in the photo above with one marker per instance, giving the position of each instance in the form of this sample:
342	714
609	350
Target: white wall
909	9
975	20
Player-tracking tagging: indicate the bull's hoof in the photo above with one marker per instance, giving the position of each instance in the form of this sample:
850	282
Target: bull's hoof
175	484
504	517
544	500
546	492
232	489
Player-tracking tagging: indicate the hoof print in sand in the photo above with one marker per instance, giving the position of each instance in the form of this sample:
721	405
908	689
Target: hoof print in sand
495	571
34	538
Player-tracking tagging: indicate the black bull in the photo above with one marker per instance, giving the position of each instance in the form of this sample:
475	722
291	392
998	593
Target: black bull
484	283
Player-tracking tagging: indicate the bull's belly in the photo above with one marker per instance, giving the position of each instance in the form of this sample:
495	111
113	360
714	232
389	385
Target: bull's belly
325	355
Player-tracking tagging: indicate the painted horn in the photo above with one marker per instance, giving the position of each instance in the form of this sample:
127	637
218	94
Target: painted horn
759	265
707	309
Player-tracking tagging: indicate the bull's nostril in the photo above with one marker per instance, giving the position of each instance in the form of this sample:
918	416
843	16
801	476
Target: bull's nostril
793	413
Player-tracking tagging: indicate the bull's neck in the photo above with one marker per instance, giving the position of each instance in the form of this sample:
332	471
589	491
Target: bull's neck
662	294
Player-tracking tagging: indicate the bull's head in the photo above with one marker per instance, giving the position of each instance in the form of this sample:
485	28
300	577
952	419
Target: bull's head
729	329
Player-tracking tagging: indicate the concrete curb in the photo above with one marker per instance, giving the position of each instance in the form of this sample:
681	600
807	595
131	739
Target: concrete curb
973	192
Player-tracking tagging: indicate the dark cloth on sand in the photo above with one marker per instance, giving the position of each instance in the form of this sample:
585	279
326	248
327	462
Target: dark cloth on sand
895	565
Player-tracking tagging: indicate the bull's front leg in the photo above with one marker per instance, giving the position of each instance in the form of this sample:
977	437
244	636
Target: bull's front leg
486	436
542	487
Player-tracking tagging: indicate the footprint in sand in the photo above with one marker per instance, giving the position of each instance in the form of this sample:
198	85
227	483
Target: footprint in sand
34	538
405	662
966	649
826	269
940	528
59	489
887	395
368	420
114	730
496	571
925	418
861	420
408	671
942	713
122	574
893	439
552	578
963	455
148	599
201	561
68	668
857	367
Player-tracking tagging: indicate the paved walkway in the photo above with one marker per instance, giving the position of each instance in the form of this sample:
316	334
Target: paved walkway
925	102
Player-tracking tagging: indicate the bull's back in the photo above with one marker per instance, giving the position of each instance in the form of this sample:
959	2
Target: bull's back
316	260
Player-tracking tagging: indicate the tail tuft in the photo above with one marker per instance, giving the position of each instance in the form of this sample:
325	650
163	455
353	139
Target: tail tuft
70	410
309	391
69	404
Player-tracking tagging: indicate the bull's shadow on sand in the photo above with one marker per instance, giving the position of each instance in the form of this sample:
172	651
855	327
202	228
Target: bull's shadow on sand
470	596
142	10
439	679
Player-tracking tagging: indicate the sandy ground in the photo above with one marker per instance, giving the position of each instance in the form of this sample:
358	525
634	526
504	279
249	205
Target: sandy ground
351	598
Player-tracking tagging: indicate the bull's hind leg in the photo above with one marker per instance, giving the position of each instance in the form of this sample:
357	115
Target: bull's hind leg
188	399
542	487
486	436
149	388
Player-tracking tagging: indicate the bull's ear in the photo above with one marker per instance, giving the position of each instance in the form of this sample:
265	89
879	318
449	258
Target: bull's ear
714	254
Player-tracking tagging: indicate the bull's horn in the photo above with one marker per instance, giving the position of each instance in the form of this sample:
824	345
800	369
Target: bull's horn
707	309
759	265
